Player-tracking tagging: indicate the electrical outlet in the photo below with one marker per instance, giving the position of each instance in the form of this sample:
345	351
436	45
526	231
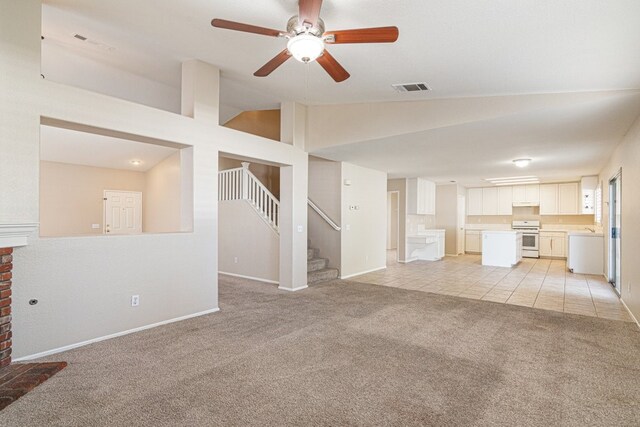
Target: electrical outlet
300	229
235	259
135	300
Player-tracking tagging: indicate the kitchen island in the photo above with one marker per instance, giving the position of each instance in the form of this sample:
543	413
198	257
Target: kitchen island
501	248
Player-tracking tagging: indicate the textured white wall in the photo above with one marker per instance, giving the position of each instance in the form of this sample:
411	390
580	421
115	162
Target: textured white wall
248	245
627	157
162	210
84	284
364	237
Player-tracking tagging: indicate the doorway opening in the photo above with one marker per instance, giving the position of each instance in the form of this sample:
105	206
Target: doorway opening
615	234
460	235
393	225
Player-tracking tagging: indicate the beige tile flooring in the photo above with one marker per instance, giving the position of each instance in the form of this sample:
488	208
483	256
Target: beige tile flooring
538	283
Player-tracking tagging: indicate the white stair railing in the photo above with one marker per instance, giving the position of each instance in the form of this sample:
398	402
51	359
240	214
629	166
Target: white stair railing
241	184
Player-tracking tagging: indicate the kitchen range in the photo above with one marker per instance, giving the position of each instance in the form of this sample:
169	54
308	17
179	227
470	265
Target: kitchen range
530	237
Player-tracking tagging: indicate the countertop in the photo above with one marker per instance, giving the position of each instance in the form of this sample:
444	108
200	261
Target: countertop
501	231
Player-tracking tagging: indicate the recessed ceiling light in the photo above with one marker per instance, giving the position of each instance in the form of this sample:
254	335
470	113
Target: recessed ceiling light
522	163
136	162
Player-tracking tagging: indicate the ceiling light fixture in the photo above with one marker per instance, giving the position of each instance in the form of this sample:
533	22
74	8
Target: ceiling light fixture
522	163
305	47
136	162
514	180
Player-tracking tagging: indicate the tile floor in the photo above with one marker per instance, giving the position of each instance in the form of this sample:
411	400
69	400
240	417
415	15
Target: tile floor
538	283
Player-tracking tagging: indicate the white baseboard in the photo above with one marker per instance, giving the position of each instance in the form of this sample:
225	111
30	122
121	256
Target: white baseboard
257	279
117	334
362	272
294	289
630	313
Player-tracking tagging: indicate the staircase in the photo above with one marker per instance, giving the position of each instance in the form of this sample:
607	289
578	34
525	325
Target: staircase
317	270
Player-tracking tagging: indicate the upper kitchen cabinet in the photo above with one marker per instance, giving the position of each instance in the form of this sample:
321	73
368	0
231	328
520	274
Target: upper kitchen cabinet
490	201
505	200
549	199
526	194
474	201
497	201
421	197
559	199
568	198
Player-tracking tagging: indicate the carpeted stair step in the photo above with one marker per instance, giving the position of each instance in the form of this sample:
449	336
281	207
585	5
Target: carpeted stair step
324	275
311	254
316	264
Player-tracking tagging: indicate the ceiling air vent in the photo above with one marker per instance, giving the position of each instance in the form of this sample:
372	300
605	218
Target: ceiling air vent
80	37
411	87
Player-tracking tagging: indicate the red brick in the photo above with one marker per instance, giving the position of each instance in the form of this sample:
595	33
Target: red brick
5	311
5	344
5	320
6	336
5	362
5	302
6	251
5	328
6	267
5	353
6	293
5	276
5	285
6	259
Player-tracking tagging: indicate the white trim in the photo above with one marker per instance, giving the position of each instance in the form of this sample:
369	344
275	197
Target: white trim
363	272
117	334
257	279
294	289
630	313
15	235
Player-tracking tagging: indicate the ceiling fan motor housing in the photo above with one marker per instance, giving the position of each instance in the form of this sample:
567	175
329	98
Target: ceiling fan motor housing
294	27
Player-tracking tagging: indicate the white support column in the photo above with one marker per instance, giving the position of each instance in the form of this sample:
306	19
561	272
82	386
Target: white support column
293	225
293	124
201	91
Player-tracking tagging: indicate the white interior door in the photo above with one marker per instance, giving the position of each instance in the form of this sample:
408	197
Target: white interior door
122	212
461	224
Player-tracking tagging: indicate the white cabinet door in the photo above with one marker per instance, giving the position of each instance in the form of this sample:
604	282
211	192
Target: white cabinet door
545	245
548	199
558	247
429	195
472	242
474	201
519	193
568	198
412	196
505	200
490	201
532	193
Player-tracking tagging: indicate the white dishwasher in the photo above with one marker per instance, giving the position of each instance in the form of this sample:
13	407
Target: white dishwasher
586	253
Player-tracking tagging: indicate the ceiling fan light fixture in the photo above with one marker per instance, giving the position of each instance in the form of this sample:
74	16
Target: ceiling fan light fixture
305	47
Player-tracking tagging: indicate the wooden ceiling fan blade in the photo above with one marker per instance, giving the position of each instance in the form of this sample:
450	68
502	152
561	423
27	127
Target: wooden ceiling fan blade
270	66
333	67
309	11
363	35
246	28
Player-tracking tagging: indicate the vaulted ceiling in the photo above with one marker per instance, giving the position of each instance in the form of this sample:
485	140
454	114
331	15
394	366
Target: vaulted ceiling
460	48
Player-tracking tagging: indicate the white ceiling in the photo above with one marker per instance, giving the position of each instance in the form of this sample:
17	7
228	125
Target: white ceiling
460	48
81	148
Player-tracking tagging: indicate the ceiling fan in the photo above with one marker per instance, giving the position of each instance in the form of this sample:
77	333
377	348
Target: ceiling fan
307	39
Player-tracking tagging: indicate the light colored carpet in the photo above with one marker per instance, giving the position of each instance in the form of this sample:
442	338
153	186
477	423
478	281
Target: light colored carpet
350	354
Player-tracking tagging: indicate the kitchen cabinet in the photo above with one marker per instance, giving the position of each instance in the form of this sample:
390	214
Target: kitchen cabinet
421	197
553	244
474	201
568	198
549	199
505	200
526	194
473	241
490	201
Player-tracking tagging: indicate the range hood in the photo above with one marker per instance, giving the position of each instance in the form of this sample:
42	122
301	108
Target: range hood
525	204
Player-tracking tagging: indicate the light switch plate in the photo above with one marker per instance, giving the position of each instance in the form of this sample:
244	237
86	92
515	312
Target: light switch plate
300	229
95	226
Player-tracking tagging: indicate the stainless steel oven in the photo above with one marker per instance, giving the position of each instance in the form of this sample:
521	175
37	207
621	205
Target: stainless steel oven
530	237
